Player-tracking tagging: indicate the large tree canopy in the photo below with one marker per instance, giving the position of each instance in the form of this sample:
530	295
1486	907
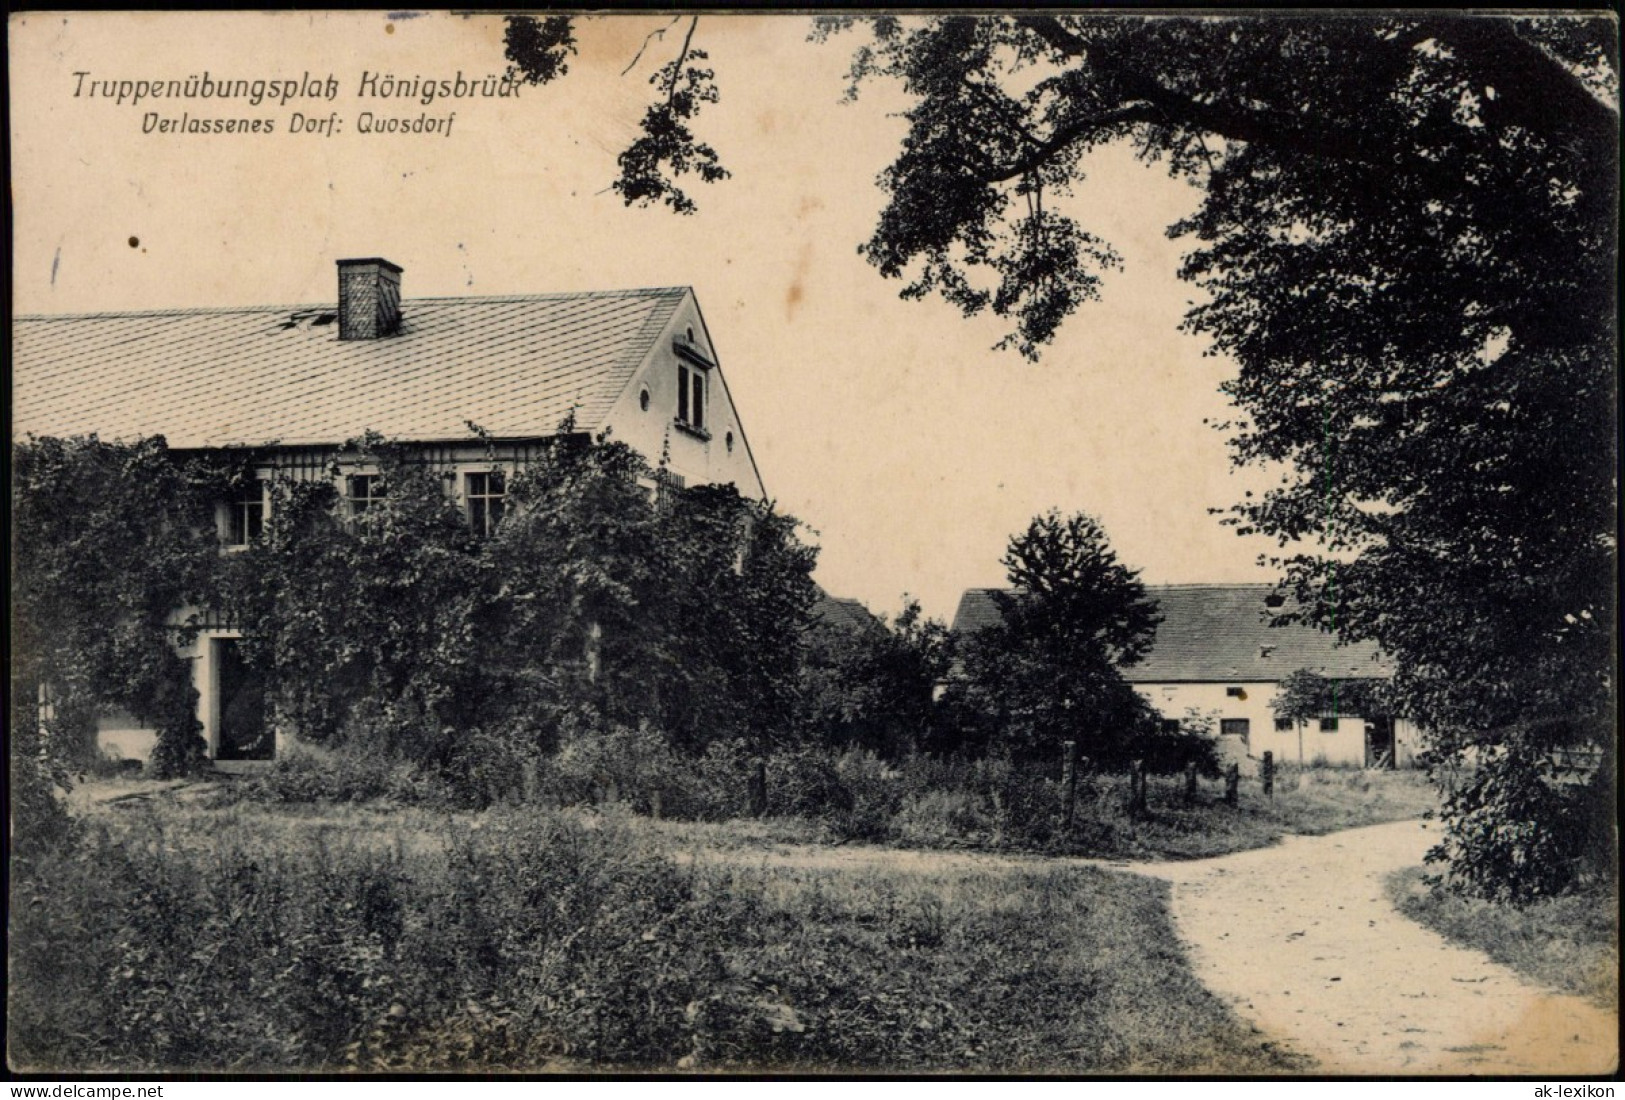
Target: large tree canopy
1406	240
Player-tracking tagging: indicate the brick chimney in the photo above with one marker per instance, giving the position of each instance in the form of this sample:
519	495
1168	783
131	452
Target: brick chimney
369	299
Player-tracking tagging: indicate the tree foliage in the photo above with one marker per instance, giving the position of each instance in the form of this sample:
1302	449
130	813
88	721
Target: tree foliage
871	685
1406	241
109	543
591	606
1051	669
1305	694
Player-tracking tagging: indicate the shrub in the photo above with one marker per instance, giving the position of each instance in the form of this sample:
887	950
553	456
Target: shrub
634	765
1517	832
304	773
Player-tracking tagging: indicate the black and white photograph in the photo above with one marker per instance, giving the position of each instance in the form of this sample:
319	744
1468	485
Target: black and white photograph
694	544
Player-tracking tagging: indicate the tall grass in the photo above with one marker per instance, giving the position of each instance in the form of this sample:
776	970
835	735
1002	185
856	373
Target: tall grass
920	802
523	939
1568	943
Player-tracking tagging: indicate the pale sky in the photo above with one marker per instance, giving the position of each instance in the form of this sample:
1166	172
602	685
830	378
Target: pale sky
891	428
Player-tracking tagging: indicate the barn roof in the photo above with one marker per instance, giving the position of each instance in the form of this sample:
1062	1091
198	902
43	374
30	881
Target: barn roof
1219	632
842	612
516	366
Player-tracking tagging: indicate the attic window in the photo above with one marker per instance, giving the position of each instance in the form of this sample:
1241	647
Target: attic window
1274	599
643	399
1265	650
691	398
324	319
729	439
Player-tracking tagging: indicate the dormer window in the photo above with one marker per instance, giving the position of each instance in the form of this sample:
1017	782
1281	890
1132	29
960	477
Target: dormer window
245	514
486	495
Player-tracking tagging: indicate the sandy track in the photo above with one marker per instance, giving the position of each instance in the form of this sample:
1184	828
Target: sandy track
1302	940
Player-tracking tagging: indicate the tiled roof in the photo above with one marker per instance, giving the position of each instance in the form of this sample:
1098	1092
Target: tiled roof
838	611
976	610
515	366
1219	632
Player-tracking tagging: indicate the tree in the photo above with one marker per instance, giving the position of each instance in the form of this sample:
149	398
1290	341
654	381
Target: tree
1407	241
1050	669
872	684
1306	694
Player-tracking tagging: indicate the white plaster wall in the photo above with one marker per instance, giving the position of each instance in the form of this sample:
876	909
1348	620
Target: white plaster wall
698	461
1306	743
122	736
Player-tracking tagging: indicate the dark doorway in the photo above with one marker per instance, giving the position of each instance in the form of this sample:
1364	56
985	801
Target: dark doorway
1379	742
244	732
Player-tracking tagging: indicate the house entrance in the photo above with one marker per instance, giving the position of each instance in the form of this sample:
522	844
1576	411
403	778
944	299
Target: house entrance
245	734
1379	742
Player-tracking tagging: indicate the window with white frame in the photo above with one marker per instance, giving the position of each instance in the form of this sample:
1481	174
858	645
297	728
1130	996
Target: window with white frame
362	492
245	513
485	495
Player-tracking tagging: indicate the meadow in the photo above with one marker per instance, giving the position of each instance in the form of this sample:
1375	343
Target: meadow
172	934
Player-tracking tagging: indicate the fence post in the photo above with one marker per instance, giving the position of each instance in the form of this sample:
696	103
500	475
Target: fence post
1232	783
1268	772
1069	778
654	803
1190	782
758	787
1136	788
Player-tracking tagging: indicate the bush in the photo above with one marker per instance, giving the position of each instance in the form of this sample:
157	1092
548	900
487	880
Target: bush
304	773
1517	832
634	765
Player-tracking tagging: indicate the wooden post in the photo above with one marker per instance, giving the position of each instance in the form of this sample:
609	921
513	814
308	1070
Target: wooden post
1268	773
1136	788
1190	782
1232	783
758	787
654	803
1069	779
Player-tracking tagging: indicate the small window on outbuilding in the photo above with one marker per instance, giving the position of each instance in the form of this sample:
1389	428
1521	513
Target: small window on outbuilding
1328	723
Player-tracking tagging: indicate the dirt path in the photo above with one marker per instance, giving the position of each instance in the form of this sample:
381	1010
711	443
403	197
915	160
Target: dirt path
1302	940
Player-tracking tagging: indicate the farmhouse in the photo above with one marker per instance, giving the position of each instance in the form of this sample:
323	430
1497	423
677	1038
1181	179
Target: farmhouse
1220	655
475	385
